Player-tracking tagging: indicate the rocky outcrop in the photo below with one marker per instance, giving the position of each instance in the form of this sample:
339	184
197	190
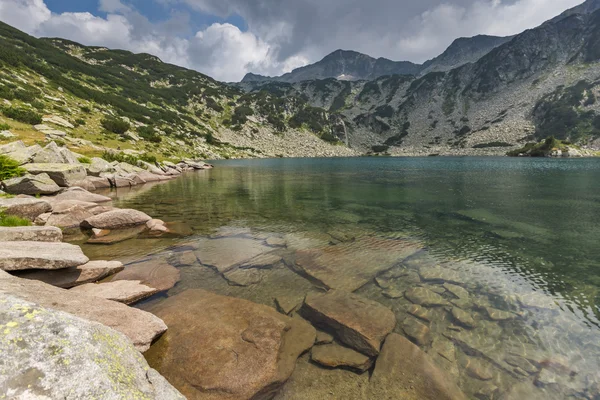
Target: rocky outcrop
64	175
18	256
25	208
117	219
226	348
79	194
67	278
127	292
31	185
359	323
30	234
52	354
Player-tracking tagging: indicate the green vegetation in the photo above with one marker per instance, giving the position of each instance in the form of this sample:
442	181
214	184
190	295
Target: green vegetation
380	148
22	115
115	125
9	168
149	134
84	160
542	149
12	221
4	127
128	158
241	114
313	118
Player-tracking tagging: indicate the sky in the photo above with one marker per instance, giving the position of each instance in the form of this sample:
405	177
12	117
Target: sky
226	39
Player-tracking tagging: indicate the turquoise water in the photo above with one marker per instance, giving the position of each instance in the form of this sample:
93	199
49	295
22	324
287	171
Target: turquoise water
521	235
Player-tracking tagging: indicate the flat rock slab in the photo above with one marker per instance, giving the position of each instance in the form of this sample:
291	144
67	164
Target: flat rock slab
221	347
108	237
31	185
223	254
69	218
425	297
117	219
127	292
25	208
334	355
349	266
49	354
31	234
245	277
141	327
417	331
403	371
155	273
67	278
359	323
80	194
19	256
63	174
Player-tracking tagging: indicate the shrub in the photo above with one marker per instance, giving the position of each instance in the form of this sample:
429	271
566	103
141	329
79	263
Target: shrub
38	105
84	160
115	125
86	109
9	168
12	221
119	157
22	115
26	95
4	127
148	133
380	148
79	121
149	158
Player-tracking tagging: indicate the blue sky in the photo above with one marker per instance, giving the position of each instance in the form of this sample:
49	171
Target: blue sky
228	38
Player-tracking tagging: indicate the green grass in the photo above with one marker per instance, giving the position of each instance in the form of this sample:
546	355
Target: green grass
9	168
84	160
12	221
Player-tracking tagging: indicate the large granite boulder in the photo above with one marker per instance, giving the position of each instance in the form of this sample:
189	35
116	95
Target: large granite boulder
226	348
31	234
150	167
25	208
31	185
64	175
12	147
117	219
127	292
19	152
70	277
19	256
403	371
69	217
49	354
141	327
359	323
50	154
99	166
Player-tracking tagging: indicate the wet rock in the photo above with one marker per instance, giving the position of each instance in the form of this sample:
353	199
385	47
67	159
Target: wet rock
416	331
478	370
244	277
30	234
276	241
64	175
223	254
546	377
107	237
393	293
80	194
262	261
463	318
70	277
334	356
31	184
127	292
521	363
499	315
425	297
226	347
183	258
286	304
53	354
117	219
359	323
445	348
403	371
155	273
323	338
99	183
440	274
139	326
458	291
18	256
349	266
536	300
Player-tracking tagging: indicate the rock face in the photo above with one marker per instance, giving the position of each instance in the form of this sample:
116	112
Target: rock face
75	276
25	208
63	174
31	185
334	355
18	256
51	354
403	371
127	292
357	322
226	348
30	234
157	274
117	219
140	327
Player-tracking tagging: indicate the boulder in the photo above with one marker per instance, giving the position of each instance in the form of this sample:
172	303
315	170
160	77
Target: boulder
49	354
86	184
141	327
148	176
127	292
155	273
49	154
25	208
12	147
7	135
151	168
334	355
63	174
79	194
403	371
67	278
68	156
69	217
56	120
119	181
106	236
135	179
31	234
18	256
31	185
19	152
225	348
359	323
64	206
99	166
117	219
99	183
223	254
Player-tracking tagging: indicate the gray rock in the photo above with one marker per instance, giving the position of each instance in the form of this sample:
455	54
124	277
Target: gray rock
63	174
53	354
25	208
18	256
25	155
80	194
117	219
151	168
127	292
31	185
99	183
49	154
31	234
67	278
69	217
12	147
68	156
7	135
155	273
141	327
99	166
334	355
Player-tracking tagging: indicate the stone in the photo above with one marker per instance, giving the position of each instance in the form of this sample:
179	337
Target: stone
419	312
21	154
393	293
69	218
18	256
458	291
349	266
323	338
117	219
275	241
262	261
49	154
41	219
155	273
359	323
99	183
50	354
439	274
444	348
334	356
221	347
86	184
63	174
223	254
499	315
127	292
30	234
425	297
107	237
151	168
31	185
7	135
463	318
416	331
67	278
141	327
478	370
244	277
56	120
521	363
12	147
286	304
79	194
68	156
546	377
403	371
64	206
99	166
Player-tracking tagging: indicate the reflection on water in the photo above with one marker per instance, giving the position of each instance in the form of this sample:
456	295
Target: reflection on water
507	275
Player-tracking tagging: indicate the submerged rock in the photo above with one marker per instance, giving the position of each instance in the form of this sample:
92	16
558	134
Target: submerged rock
30	234
357	322
75	276
51	354
127	292
156	273
221	347
223	254
425	297
416	331
244	277
463	318
334	355
18	256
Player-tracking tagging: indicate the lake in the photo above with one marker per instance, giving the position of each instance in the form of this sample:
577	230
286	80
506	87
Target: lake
513	241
